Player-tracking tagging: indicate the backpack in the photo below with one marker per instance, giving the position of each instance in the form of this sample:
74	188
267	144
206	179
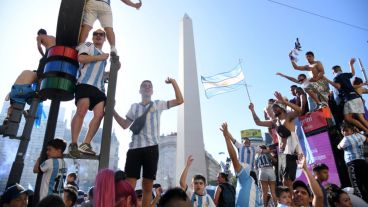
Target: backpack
227	197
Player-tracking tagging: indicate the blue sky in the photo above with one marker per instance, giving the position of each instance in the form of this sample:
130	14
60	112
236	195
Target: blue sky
261	33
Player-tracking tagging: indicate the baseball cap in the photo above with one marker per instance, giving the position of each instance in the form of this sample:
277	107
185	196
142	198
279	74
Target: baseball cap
299	183
13	192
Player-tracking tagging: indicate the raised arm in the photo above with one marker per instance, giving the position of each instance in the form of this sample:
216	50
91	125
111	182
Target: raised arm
364	91
134	5
230	147
124	123
297	67
358	85
335	85
184	174
297	109
157	197
256	118
316	189
288	77
178	96
351	63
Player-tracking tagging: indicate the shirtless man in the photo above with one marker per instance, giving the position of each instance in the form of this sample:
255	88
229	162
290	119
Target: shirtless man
44	40
288	143
317	88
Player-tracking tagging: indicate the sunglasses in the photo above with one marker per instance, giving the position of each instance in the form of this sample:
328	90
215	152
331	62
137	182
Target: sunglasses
99	33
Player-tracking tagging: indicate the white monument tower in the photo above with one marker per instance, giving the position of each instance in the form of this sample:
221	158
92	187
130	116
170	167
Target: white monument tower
190	136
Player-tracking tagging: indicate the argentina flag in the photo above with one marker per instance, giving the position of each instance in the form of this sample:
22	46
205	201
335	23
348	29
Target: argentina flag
223	82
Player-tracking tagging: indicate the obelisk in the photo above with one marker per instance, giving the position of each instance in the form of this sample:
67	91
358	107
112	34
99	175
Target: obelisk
190	136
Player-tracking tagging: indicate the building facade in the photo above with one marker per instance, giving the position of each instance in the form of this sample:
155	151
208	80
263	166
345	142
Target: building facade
167	166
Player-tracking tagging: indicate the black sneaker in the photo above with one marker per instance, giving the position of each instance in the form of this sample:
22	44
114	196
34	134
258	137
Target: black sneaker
73	151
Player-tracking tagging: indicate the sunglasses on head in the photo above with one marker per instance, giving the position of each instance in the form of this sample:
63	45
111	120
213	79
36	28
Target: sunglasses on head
102	34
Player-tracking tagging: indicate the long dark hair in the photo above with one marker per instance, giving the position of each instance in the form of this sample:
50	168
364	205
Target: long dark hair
333	194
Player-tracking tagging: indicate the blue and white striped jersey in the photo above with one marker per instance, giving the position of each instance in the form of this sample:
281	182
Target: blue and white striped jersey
353	147
91	73
246	154
54	174
247	192
197	200
264	160
150	133
202	201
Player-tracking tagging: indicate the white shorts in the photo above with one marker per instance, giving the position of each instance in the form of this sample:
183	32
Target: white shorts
354	106
267	174
97	10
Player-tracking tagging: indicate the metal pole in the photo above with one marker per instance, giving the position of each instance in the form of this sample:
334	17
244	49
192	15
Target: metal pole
246	85
246	88
49	135
363	71
18	164
109	109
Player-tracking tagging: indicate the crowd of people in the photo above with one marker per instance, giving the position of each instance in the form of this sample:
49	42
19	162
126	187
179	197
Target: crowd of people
265	175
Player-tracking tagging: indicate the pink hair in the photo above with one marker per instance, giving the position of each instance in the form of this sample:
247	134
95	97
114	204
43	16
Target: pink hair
123	189
104	191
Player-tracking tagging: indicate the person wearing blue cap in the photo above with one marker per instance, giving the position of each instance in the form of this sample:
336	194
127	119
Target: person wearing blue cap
15	196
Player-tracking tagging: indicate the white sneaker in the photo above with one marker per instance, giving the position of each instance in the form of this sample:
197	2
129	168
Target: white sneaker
86	149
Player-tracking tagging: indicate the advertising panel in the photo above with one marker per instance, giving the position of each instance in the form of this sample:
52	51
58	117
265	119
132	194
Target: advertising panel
322	153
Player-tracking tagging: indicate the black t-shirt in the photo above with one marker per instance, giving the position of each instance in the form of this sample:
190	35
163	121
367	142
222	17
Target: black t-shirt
346	91
227	196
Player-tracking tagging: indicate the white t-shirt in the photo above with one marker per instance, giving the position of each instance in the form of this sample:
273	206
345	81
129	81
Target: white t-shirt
292	144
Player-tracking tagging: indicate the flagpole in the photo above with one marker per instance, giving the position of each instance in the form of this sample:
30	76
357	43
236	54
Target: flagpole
245	83
362	68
